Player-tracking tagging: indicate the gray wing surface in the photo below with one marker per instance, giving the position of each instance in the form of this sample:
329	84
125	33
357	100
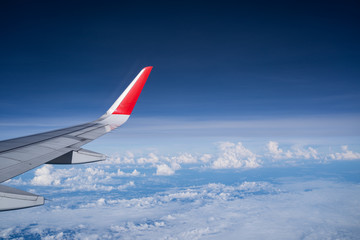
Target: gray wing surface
20	155
62	146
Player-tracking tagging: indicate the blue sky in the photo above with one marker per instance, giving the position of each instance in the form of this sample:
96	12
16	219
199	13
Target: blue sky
248	123
210	60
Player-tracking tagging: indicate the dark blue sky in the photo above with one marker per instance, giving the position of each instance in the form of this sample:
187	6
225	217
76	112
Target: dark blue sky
212	60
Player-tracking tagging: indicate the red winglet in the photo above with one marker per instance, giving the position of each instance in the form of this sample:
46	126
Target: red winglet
128	103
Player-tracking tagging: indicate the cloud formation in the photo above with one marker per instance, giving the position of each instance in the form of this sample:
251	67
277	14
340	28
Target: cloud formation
295	209
164	170
276	152
235	156
96	177
43	177
346	154
152	158
229	155
296	152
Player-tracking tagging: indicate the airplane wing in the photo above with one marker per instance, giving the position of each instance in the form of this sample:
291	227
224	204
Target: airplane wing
62	146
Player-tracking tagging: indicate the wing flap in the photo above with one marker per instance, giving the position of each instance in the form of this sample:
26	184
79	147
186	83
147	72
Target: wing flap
12	198
78	157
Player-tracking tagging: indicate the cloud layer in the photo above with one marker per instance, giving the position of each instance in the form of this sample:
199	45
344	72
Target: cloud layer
295	209
234	155
229	155
134	196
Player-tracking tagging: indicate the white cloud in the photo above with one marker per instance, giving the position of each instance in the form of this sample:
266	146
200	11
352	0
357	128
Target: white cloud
173	162
127	158
345	155
58	236
43	177
112	160
294	209
230	155
309	153
235	156
131	227
175	166
277	153
127	185
205	158
185	158
4	233
101	202
93	178
94	171
152	158
133	173
164	170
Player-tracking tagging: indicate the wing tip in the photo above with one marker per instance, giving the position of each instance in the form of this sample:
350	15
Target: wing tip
126	102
